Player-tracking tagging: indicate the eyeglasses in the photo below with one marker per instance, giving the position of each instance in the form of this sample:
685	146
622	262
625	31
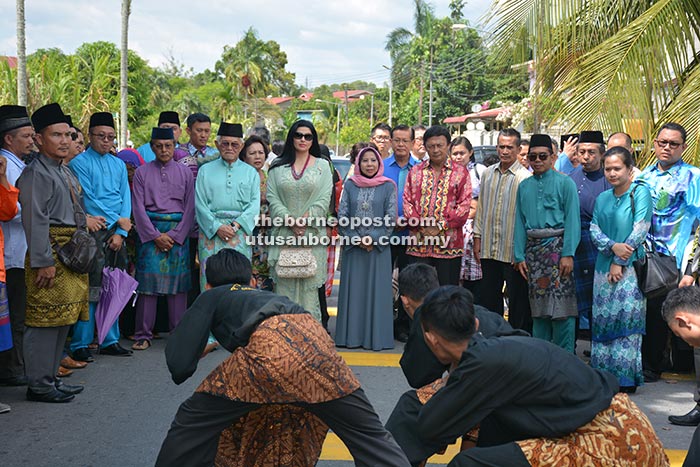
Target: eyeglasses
306	136
109	136
671	144
532	157
381	138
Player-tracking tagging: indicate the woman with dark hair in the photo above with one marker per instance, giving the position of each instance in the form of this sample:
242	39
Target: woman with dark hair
621	220
365	317
255	152
299	186
470	275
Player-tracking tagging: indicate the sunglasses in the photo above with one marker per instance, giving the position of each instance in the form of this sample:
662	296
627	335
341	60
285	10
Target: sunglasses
306	136
532	157
74	136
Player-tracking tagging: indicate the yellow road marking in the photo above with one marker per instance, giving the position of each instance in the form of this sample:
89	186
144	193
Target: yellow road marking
332	311
335	450
371	359
336	281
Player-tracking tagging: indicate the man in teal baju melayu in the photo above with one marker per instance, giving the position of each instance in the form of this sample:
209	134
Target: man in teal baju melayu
547	232
227	198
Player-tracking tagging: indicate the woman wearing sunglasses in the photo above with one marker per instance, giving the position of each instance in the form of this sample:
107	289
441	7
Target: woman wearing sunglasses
299	186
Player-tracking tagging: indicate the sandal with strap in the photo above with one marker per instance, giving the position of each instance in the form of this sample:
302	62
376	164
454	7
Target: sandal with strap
141	344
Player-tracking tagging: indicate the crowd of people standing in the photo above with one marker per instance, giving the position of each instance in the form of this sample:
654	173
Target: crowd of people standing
562	244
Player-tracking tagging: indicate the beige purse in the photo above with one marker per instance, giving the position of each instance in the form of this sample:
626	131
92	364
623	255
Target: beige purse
296	263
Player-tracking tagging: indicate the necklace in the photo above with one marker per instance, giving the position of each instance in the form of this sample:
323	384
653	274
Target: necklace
298	176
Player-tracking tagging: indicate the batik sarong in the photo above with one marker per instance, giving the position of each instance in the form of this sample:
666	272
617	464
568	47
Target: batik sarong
550	294
620	435
288	359
163	272
211	246
66	301
5	328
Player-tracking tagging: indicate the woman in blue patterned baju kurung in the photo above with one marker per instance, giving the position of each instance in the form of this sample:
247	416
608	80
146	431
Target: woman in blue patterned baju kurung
621	220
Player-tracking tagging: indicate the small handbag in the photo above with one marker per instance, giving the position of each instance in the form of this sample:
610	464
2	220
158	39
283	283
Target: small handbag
657	273
77	254
296	263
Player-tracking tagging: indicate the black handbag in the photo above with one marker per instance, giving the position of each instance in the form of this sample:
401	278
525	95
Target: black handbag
77	254
657	273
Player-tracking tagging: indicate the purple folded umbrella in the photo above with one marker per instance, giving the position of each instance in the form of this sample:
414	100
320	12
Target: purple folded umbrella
117	289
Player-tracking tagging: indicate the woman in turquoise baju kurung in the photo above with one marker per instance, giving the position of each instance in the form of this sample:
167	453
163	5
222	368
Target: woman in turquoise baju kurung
619	307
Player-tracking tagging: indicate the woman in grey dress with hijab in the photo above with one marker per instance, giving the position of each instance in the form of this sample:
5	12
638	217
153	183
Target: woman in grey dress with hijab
365	301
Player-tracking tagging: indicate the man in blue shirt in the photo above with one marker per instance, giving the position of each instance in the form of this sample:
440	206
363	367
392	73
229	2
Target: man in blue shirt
675	191
106	194
396	167
16	142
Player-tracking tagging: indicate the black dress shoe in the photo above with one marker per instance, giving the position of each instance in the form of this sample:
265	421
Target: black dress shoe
692	418
402	337
55	396
651	376
115	350
14	381
83	355
70	388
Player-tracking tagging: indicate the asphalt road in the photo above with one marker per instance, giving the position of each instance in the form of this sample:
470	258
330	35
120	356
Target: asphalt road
124	413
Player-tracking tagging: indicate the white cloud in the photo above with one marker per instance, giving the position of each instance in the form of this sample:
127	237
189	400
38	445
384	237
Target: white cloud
325	41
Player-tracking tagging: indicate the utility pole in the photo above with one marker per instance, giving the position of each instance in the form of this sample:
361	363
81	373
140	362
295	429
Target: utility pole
124	83
371	114
347	122
391	91
430	98
420	97
21	56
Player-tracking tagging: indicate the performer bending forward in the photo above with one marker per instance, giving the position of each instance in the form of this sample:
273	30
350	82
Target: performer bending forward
272	401
525	401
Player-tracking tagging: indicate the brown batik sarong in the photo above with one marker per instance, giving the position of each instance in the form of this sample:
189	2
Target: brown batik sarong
288	359
620	435
65	302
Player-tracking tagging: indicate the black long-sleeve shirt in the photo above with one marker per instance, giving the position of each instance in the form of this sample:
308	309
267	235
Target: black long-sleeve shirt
231	315
516	388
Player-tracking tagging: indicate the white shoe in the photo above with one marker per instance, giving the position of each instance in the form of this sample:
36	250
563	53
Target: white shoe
4	408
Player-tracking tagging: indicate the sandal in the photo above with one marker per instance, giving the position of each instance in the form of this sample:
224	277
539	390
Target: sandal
141	344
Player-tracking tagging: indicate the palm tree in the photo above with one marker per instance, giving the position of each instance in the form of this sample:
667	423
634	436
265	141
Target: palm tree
614	65
21	56
410	50
124	83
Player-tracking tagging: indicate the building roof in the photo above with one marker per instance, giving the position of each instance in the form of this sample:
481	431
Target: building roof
352	94
12	61
490	113
279	100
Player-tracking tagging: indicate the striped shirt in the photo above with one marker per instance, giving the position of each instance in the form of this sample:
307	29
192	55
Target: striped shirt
495	213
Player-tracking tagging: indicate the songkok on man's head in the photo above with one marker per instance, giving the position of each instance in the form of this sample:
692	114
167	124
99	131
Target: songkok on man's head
13	117
591	137
101	119
169	116
162	133
231	129
540	141
47	115
69	121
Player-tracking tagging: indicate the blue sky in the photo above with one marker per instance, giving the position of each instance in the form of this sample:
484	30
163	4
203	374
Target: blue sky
326	41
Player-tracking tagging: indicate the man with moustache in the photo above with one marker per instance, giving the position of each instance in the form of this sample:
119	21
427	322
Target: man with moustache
590	182
107	194
493	233
16	142
547	232
227	199
56	296
166	119
163	204
418	150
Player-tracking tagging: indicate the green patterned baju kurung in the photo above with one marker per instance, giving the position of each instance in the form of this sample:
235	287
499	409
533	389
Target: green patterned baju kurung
619	309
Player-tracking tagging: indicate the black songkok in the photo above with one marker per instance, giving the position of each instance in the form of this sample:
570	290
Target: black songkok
13	117
169	117
540	141
101	119
230	129
591	137
47	115
162	133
